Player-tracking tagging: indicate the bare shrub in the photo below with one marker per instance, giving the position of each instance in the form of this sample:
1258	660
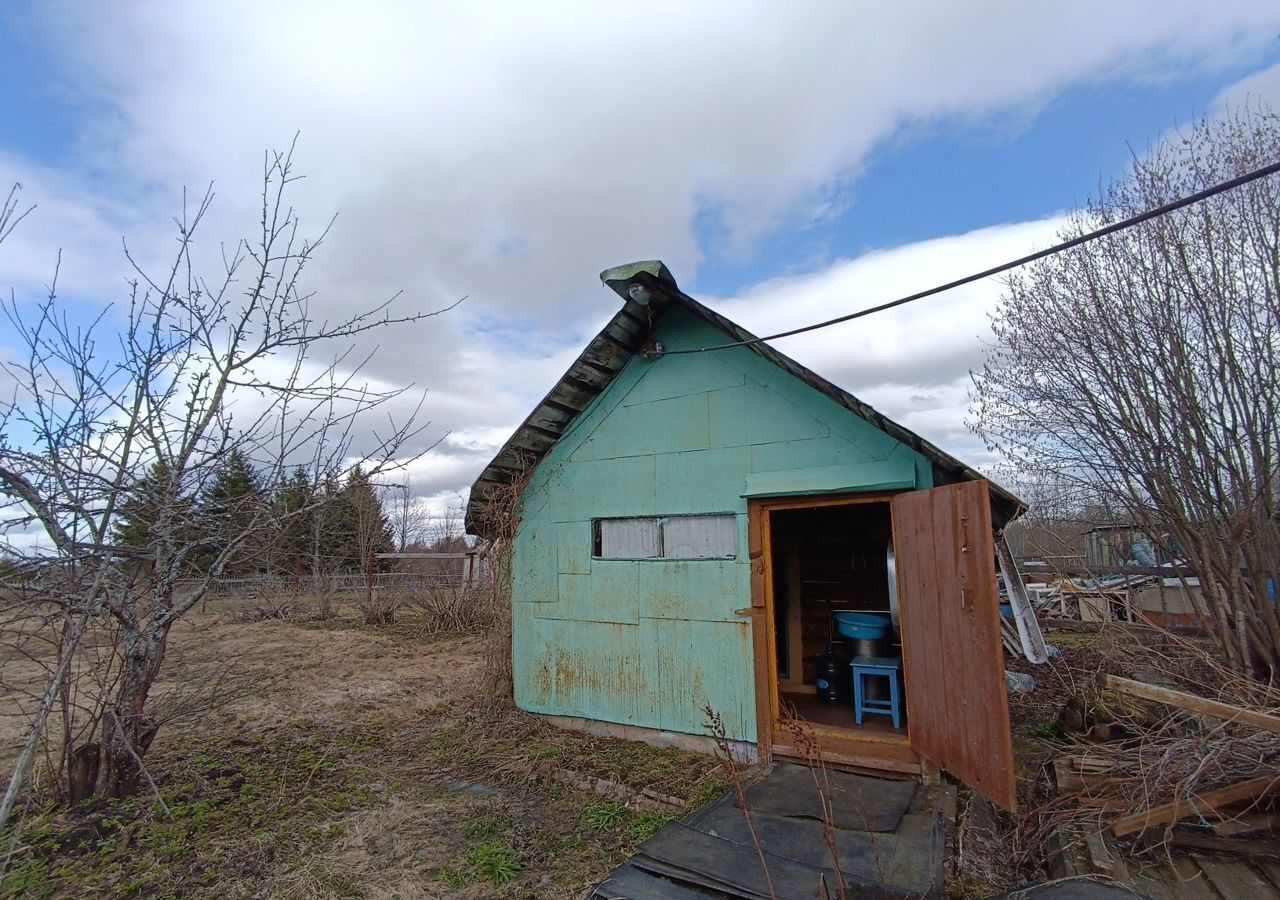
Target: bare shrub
379	606
499	513
454	607
280	609
1143	371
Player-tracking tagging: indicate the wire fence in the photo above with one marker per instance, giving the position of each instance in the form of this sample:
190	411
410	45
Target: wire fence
353	583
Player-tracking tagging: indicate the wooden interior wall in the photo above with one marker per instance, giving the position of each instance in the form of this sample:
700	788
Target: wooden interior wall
826	559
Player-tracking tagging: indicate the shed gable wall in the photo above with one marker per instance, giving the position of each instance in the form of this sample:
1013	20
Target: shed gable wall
653	642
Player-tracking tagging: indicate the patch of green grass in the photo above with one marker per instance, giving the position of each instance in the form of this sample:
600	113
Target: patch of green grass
646	824
495	862
605	816
707	790
491	861
234	807
357	741
640	763
30	877
445	742
486	827
1044	730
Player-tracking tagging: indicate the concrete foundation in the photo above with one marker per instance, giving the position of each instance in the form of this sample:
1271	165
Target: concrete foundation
747	754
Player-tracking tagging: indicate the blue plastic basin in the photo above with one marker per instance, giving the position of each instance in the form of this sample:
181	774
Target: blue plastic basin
861	625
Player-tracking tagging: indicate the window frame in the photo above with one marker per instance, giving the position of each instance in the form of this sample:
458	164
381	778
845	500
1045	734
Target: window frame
597	542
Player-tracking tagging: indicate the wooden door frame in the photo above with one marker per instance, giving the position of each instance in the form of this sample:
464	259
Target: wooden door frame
889	752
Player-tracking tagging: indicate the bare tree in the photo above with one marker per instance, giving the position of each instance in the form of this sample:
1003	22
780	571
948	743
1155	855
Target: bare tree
1144	369
409	516
446	530
198	370
370	534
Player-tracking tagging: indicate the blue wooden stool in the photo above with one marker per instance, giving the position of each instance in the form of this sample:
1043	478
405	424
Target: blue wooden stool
864	666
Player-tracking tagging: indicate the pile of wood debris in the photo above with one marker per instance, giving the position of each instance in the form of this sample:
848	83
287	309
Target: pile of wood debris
1161	785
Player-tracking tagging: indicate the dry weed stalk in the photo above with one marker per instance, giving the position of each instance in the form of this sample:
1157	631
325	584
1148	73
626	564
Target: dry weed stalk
500	512
804	740
1154	754
732	771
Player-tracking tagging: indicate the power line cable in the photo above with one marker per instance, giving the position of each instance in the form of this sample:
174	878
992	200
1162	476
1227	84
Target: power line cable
1156	212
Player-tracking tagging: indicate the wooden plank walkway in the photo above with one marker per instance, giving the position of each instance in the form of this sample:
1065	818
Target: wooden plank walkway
890	836
1251	871
1209	877
1186	877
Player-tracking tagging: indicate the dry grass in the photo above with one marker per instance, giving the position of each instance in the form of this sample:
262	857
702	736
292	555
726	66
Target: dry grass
1156	753
360	766
995	851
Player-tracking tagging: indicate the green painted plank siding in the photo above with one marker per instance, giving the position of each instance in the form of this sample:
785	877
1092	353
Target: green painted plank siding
573	548
700	665
611	593
894	473
652	642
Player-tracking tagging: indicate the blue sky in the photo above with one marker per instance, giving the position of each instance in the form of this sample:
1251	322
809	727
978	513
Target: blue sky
40	119
956	176
787	167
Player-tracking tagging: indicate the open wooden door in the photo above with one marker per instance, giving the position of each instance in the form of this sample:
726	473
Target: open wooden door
949	616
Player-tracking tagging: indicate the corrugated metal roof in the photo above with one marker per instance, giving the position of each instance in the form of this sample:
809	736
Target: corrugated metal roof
649	290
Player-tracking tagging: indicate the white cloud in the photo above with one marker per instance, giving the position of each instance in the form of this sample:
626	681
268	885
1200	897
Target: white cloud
511	151
1262	86
912	363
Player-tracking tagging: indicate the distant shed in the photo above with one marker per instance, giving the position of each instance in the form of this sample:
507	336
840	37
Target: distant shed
689	523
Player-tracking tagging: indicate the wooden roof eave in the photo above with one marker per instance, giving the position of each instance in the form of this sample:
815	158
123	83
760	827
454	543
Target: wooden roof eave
594	369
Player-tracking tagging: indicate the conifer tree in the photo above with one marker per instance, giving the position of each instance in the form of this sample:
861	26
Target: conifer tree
294	507
363	528
156	510
233	505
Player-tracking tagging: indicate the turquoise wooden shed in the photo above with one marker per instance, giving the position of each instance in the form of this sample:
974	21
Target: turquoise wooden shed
695	511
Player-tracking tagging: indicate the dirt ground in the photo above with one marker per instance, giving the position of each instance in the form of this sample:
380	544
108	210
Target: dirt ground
346	761
311	758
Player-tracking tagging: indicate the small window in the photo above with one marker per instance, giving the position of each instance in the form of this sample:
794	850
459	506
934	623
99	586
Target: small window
666	537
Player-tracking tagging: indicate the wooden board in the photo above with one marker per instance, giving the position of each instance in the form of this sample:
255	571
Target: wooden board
1205	804
1234	878
1250	823
951	644
1227	712
761	646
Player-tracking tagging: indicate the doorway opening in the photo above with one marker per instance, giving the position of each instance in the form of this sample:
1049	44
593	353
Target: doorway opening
827	562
